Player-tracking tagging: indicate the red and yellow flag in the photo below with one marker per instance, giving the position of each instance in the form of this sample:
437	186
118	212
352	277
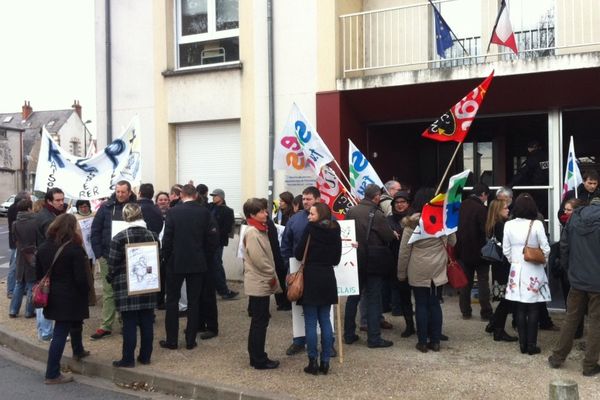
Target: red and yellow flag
454	124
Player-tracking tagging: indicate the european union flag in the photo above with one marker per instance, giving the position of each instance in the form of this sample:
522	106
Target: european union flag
443	39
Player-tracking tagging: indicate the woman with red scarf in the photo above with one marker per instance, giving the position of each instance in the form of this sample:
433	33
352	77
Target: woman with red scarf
260	281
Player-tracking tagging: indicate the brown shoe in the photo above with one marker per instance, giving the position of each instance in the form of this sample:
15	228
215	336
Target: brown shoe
60	379
385	325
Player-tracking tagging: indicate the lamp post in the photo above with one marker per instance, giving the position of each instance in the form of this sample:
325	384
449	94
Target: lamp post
85	136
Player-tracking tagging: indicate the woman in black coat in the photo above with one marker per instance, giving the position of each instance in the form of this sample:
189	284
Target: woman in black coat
68	298
322	236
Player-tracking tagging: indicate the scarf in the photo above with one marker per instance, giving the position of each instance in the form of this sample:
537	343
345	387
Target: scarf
258	225
53	210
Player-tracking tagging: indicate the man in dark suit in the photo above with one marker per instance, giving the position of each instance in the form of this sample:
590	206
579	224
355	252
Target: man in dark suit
189	242
225	220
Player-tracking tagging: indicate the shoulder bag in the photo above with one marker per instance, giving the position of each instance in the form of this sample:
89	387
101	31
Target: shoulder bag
456	275
533	254
491	251
380	259
41	290
295	280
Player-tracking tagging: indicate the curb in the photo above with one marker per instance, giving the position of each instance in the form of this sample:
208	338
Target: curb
165	383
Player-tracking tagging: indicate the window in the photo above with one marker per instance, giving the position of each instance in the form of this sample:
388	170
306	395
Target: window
3	134
207	32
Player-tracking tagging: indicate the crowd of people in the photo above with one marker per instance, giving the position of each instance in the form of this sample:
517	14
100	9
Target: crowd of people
192	232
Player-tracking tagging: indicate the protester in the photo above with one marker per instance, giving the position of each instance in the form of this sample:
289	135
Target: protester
424	264
174	195
322	243
202	190
136	310
108	214
585	192
223	215
11	215
297	204
162	201
286	208
506	194
579	256
84	211
189	242
470	239
391	188
380	235
150	211
401	295
67	302
24	234
494	227
260	281
527	283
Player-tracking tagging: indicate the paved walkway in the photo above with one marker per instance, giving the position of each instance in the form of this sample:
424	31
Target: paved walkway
470	366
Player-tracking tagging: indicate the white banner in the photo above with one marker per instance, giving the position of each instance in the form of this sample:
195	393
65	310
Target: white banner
362	172
299	146
94	177
85	224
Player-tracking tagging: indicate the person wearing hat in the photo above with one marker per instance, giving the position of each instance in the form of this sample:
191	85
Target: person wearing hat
224	218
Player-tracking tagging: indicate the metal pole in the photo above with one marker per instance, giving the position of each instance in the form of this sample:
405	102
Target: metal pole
271	100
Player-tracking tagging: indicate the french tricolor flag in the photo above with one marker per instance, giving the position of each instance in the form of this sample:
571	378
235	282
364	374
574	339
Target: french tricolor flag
503	34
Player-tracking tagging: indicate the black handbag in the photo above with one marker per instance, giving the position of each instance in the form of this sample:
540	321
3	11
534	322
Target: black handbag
380	259
491	251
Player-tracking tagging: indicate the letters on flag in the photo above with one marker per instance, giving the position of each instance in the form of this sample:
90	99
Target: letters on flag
93	177
503	34
300	146
440	216
454	124
572	173
333	193
362	172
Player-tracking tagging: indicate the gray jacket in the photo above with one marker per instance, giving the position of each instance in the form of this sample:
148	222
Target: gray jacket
579	248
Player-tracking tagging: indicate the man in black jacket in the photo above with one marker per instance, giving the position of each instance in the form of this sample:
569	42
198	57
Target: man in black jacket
579	256
107	223
224	217
151	213
11	214
189	243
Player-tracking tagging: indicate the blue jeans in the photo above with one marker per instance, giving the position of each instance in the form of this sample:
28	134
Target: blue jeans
428	314
15	303
219	272
371	291
131	320
44	326
12	272
312	315
61	330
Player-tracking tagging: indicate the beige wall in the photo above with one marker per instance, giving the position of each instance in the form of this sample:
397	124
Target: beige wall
577	22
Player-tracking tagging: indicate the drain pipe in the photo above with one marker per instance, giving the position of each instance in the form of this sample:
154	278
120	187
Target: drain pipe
108	72
271	99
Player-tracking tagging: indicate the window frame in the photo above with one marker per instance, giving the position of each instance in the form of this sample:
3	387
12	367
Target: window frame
211	35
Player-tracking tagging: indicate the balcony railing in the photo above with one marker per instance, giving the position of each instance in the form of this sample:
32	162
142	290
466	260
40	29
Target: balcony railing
403	38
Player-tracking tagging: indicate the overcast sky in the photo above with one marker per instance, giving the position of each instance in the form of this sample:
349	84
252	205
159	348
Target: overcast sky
47	53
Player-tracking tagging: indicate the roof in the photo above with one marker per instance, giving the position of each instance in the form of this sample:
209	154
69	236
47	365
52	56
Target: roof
53	120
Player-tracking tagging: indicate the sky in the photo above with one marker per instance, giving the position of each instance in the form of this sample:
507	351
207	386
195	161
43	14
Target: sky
47	56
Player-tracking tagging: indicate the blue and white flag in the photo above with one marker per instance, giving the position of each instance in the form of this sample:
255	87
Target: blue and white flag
572	174
443	39
362	172
93	177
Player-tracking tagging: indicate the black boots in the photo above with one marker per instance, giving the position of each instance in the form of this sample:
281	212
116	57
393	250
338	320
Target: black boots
312	367
324	368
500	335
410	328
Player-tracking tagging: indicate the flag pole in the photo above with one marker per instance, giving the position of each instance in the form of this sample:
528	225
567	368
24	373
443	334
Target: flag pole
350	195
451	31
339	324
437	191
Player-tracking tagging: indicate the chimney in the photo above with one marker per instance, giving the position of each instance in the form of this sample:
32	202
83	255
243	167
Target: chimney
77	107
26	110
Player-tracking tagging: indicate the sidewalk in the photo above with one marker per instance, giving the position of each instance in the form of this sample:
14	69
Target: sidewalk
470	366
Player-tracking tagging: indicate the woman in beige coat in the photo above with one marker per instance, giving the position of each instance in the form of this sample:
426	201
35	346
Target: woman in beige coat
260	281
424	263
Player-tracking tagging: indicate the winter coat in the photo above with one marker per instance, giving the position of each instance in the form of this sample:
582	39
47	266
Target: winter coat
280	265
582	195
11	215
108	212
152	215
293	233
225	220
260	278
500	270
68	298
324	252
25	231
395	222
579	253
423	261
527	282
43	219
471	231
118	274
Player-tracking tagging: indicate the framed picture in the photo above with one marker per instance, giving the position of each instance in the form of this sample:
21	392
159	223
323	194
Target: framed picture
142	267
